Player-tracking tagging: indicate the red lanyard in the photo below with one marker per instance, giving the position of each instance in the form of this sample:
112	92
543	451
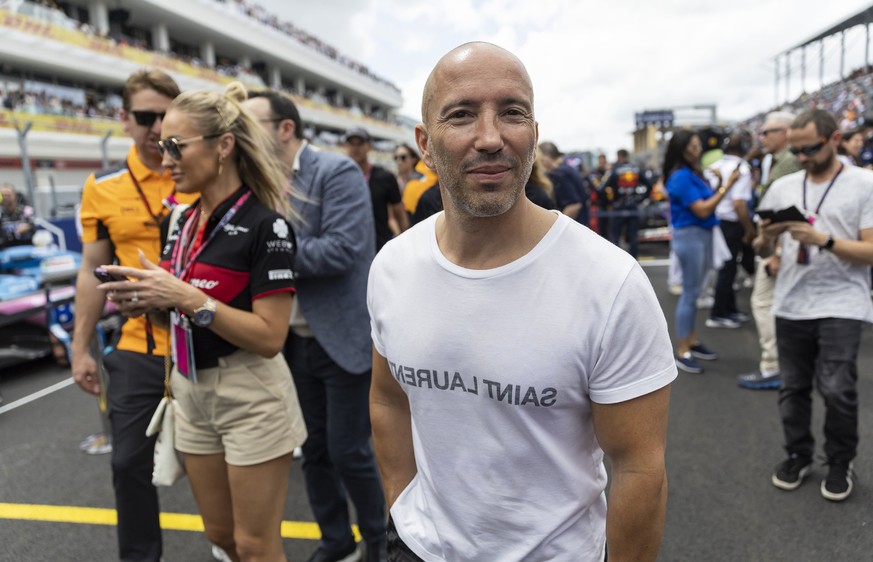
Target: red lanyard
183	253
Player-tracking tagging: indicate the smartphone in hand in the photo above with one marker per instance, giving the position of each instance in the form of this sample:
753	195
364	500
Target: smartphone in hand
106	277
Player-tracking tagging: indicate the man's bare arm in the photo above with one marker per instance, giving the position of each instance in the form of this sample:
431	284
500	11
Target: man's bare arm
392	430
854	251
398	212
768	234
89	307
633	435
742	210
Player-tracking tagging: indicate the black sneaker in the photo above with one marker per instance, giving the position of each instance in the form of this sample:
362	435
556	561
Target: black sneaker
350	554
740	317
700	351
790	473
838	485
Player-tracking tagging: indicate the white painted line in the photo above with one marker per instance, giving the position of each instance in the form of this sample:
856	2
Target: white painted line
654	263
37	395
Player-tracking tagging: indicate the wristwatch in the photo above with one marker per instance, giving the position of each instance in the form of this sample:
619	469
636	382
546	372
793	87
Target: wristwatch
829	244
205	313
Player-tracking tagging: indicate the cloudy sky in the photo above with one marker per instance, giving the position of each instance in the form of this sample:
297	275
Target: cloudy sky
594	64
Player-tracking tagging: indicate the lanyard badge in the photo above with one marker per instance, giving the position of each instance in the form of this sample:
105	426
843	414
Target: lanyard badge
182	262
183	346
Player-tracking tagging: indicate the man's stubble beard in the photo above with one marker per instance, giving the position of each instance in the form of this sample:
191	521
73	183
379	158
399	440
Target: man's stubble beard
815	168
474	204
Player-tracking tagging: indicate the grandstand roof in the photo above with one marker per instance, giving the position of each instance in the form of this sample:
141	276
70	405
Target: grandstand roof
863	17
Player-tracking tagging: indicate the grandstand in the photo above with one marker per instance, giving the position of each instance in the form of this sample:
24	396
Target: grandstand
848	95
63	62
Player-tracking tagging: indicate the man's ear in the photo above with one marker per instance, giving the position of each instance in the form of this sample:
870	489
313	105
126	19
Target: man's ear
287	130
421	141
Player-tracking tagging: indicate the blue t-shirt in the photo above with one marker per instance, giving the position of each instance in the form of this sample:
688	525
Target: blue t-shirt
684	188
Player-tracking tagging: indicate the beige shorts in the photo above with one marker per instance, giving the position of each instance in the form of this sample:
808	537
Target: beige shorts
246	408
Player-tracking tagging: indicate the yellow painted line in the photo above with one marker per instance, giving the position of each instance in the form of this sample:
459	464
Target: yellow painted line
169	521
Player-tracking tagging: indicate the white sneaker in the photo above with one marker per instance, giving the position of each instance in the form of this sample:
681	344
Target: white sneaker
219	554
722	323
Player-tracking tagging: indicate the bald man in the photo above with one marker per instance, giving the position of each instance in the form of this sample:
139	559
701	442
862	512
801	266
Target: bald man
493	400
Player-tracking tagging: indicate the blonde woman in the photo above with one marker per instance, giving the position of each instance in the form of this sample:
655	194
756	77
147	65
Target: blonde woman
539	188
226	278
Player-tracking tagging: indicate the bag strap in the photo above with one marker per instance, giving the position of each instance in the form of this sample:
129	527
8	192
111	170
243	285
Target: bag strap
167	391
173	226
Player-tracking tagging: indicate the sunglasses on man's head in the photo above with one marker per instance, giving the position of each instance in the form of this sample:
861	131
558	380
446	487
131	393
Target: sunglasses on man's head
147	118
173	146
808	150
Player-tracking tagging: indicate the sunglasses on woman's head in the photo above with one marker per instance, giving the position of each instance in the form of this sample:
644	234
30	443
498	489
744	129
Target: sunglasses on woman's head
173	146
147	118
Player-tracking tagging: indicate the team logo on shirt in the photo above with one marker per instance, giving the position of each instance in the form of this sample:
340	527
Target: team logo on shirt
206	284
280	274
233	229
279	246
280	227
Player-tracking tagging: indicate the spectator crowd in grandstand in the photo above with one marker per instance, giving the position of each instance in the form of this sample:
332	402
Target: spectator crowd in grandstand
49	11
846	99
256	11
44	103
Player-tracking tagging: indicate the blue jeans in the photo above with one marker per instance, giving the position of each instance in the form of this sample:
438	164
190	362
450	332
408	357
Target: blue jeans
823	352
337	456
693	246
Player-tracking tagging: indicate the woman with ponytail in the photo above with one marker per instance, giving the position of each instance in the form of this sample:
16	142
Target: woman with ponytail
226	280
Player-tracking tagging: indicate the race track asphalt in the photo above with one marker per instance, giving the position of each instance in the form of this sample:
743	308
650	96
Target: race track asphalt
723	444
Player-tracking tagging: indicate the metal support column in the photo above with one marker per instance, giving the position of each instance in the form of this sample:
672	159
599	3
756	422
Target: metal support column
25	164
788	76
821	64
842	54
104	149
803	69
776	76
867	47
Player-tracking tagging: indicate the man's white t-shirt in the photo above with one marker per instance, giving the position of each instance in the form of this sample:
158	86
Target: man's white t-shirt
740	191
500	367
826	287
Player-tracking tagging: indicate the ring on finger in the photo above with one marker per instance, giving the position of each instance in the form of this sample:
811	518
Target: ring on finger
135	297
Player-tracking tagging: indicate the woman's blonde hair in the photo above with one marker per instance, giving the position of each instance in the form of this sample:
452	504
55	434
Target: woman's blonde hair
539	177
257	163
